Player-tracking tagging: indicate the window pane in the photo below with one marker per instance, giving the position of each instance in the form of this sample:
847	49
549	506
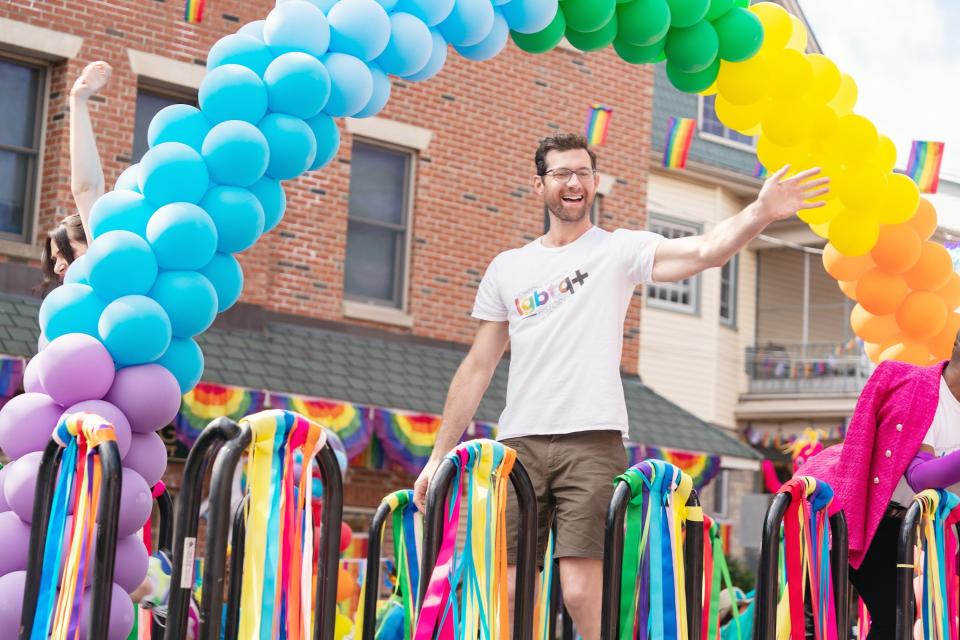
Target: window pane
148	104
14	169
378	179
371	262
18	104
709	121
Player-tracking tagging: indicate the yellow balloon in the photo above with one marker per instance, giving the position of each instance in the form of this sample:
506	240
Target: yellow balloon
798	36
342	627
822	215
854	234
823	123
855	138
822	230
885	155
740	117
772	155
861	187
791	74
845	98
777	26
743	82
709	91
899	201
826	78
787	122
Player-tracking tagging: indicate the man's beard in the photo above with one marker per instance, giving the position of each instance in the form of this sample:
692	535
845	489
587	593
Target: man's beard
569	216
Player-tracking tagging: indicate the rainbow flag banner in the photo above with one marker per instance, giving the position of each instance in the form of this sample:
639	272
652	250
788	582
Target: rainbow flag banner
676	147
208	401
701	467
598	122
407	437
759	171
923	166
193	11
352	423
11	377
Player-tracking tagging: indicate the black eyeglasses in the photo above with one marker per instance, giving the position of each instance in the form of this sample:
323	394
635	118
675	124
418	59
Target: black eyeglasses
563	175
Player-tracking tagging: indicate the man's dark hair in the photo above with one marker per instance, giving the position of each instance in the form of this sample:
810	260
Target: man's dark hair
561	142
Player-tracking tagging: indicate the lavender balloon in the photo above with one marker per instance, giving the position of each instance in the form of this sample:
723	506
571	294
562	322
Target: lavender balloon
132	563
111	414
31	375
4	505
147	394
27	422
136	503
76	367
147	456
11	603
20	484
15	534
121	614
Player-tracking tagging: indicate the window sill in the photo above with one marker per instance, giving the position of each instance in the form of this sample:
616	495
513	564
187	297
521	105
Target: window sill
653	303
376	313
16	249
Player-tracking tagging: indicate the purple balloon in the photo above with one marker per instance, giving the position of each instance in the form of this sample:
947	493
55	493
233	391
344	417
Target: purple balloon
111	414
147	456
136	503
121	614
148	395
4	505
11	602
31	376
76	367
132	563
27	422
15	534
20	484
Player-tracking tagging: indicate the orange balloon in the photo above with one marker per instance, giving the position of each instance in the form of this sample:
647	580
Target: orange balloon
881	293
873	328
910	352
950	292
941	345
898	248
873	351
922	315
842	267
932	270
849	288
346	585
924	221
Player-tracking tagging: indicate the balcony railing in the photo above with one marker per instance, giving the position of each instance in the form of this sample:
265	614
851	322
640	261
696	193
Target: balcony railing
807	368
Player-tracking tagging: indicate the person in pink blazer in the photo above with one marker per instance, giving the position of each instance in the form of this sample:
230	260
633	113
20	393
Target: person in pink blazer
904	437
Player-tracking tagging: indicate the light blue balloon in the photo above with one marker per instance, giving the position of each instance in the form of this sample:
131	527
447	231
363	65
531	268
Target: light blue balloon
121	263
70	308
327	135
184	360
78	272
323	5
224	272
173	172
529	16
410	45
233	92
120	211
438	57
432	12
182	236
490	46
388	5
292	145
271	196
178	123
189	300
128	180
135	330
236	153
297	25
468	23
253	29
359	27
381	93
351	84
239	48
238	216
297	84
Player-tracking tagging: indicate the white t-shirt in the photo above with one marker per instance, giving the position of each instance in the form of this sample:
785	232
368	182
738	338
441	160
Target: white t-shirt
566	306
943	435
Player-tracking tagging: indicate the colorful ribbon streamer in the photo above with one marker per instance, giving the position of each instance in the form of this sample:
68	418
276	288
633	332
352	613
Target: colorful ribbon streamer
715	572
351	423
940	511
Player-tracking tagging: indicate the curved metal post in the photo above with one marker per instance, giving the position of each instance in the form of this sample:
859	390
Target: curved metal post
371	580
905	559
765	626
840	569
613	562
165	528
328	563
693	567
235	587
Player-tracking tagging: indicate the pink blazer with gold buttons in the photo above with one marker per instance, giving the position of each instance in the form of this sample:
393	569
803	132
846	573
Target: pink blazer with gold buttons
892	416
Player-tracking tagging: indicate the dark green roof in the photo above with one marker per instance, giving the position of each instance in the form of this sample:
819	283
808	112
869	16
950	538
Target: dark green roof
377	370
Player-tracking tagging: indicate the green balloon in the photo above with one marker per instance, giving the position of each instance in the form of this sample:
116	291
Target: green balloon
643	23
587	16
639	55
694	48
693	82
717	9
686	13
595	40
740	33
542	41
743	4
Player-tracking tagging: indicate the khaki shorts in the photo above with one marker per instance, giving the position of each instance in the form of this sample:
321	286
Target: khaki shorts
572	476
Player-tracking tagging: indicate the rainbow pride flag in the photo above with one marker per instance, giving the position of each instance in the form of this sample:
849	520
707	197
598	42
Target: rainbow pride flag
677	145
701	467
759	171
598	122
193	11
924	164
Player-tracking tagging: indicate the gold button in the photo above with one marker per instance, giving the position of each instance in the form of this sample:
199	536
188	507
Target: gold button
876	479
888	453
899	427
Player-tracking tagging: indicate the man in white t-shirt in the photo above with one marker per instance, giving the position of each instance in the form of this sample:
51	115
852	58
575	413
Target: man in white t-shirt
561	301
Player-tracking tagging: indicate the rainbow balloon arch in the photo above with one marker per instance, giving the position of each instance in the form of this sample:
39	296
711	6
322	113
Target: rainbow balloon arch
118	338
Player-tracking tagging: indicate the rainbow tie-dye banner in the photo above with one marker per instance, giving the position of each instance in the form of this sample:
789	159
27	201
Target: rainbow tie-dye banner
676	147
701	467
208	401
598	123
407	437
352	423
193	11
11	377
923	166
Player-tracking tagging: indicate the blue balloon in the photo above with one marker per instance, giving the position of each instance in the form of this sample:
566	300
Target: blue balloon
297	25
238	216
233	92
468	23
359	27
490	46
529	16
240	48
297	84
432	12
173	172
178	123
381	94
388	5
292	145
271	196
224	272
327	135
189	300
351	84
438	57
410	45
236	153
184	360
70	308
135	330
253	29
121	263
182	236
323	5
120	211
78	271
128	180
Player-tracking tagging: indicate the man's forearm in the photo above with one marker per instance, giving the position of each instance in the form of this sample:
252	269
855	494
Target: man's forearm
731	235
466	390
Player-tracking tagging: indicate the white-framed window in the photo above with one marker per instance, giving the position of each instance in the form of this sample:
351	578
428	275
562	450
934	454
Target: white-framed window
683	295
711	128
22	95
378	238
594	213
729	276
150	100
721	494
